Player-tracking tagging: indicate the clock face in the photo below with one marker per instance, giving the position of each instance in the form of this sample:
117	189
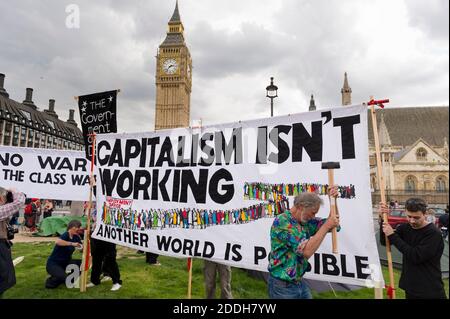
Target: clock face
170	66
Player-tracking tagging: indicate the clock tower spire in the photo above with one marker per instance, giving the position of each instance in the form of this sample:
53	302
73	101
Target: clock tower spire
173	77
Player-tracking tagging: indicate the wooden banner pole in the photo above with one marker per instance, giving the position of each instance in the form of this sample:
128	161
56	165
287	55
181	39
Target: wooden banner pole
372	103
87	233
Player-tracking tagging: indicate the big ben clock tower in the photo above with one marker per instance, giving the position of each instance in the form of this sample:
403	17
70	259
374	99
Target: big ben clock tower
173	78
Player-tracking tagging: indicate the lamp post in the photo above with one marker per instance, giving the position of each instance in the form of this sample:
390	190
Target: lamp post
271	94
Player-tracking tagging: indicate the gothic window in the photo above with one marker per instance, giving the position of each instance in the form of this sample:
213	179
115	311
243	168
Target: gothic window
440	184
410	184
421	154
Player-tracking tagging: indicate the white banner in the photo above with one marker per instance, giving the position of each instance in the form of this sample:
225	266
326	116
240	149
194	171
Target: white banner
45	173
212	192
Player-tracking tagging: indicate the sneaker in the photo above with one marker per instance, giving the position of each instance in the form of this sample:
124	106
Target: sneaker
106	278
90	285
116	287
156	264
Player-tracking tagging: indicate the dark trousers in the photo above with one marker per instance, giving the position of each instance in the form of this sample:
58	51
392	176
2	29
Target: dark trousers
104	260
58	273
151	258
7	273
438	296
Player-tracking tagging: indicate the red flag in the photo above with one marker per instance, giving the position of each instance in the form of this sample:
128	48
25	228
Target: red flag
390	292
189	264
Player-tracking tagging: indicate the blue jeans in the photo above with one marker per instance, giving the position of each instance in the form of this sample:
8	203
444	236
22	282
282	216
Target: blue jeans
280	289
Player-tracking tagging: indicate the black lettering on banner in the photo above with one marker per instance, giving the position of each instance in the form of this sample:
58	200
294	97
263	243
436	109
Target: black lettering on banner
176	185
176	245
116	155
181	161
214	187
344	268
144	240
152	142
233	146
198	188
103	145
132	150
197	252
80	179
155	185
187	248
312	144
126	235
163	242
261	150
330	260
227	251
260	254
282	146
317	263
347	135
207	150
108	182
236	254
143	153
125	180
135	238
100	231
210	253
360	266
166	154
13	159
194	150
144	186
162	187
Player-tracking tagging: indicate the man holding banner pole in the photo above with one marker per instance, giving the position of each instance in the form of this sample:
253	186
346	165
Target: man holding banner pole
295	236
98	114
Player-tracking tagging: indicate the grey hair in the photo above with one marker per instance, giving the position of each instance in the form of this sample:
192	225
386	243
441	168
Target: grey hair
3	192
307	200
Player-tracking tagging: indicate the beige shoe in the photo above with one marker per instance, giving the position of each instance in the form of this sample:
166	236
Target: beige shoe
116	287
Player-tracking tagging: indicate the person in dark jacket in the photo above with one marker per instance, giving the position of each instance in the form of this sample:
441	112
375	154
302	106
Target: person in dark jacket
61	255
421	245
10	203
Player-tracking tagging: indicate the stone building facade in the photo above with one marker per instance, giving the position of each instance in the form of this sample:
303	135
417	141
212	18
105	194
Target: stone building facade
414	151
24	125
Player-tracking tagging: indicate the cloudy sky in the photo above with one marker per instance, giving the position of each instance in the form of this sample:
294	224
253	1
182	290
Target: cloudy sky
396	49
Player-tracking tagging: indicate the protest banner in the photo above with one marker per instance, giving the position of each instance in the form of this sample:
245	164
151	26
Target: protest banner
98	114
45	173
212	192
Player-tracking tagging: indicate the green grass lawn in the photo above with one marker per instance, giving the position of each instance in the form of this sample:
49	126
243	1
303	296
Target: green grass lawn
140	280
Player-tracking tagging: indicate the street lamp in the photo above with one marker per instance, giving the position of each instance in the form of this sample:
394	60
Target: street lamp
271	94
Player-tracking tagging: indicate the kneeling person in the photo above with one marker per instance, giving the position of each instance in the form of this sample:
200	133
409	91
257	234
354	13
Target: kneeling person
61	255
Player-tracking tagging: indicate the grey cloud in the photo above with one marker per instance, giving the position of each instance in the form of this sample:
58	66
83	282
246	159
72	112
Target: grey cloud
432	16
218	53
306	45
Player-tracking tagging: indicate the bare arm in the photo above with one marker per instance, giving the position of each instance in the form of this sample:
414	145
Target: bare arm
314	242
